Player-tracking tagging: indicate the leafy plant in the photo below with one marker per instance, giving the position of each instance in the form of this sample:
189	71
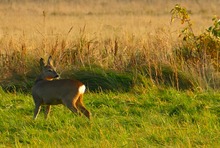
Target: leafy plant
200	51
215	29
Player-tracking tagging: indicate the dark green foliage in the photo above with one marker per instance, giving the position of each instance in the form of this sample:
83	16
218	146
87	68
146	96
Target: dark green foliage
96	79
18	84
166	75
99	79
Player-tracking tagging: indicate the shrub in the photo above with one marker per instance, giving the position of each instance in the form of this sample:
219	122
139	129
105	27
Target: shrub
198	52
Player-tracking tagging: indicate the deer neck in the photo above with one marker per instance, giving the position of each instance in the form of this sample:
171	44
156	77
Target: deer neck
41	78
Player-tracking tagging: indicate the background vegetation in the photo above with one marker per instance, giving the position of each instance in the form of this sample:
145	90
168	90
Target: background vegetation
151	69
135	37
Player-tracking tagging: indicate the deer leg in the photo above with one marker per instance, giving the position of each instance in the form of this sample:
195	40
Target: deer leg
36	110
47	111
81	107
70	105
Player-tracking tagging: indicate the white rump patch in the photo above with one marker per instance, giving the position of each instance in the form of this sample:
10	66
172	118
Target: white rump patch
82	89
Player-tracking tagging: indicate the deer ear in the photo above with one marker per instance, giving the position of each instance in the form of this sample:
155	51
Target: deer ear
42	63
50	62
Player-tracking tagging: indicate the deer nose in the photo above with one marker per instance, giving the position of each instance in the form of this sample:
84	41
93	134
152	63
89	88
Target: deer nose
57	76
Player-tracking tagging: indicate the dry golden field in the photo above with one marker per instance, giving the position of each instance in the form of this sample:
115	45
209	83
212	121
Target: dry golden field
111	34
30	22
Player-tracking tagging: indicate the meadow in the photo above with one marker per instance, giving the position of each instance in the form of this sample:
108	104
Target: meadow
156	118
151	69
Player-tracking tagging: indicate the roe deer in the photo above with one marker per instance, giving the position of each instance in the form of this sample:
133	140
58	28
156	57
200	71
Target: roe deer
48	90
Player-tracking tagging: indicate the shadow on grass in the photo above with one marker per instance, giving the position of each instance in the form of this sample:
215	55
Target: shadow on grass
97	79
101	80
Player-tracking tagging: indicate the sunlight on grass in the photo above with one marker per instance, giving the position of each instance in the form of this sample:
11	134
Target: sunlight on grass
126	120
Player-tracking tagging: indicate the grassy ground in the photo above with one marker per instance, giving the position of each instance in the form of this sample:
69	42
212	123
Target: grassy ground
158	117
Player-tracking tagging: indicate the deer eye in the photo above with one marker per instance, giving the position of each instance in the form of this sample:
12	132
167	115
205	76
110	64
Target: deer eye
50	70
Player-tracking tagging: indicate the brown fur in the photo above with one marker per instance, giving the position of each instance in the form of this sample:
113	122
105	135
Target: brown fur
48	91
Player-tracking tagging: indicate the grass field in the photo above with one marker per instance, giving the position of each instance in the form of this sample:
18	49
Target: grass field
146	85
158	117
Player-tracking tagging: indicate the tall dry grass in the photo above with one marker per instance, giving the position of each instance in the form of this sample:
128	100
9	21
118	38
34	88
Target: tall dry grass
118	35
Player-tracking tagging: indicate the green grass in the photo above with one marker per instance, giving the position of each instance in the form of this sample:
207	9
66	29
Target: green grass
158	117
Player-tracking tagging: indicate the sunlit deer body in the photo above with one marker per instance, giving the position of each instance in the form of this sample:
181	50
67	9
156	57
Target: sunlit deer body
48	90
